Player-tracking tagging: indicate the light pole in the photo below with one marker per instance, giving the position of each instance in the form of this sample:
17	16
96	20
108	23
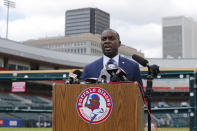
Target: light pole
9	4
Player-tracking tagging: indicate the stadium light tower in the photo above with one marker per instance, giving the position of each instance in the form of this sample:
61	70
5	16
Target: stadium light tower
9	5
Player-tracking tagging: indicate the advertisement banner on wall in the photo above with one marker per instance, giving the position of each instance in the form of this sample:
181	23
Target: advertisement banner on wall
10	123
1	122
18	86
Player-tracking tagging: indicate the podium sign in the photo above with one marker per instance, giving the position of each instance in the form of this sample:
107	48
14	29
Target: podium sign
98	107
94	105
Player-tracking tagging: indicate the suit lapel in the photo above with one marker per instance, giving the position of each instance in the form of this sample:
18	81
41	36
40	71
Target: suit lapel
122	64
99	65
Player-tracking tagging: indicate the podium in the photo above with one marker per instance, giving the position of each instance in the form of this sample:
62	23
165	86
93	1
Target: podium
127	109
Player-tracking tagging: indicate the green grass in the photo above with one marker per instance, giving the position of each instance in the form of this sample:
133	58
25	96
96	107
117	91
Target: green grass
50	129
169	129
25	129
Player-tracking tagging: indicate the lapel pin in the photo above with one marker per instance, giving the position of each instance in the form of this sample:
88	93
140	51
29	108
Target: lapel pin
123	62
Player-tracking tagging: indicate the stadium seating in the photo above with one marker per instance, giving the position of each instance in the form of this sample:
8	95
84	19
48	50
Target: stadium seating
24	101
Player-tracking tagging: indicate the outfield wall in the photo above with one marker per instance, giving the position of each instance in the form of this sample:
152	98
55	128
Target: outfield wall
10	123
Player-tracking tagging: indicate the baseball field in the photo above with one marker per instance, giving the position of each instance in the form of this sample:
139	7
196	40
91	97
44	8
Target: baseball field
170	129
50	129
25	129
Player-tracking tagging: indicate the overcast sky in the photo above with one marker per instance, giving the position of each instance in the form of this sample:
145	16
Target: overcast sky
137	21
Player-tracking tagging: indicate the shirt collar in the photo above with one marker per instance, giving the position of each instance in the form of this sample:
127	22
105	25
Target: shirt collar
106	59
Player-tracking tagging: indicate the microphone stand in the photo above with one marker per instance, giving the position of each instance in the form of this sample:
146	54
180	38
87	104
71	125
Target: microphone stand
148	95
152	72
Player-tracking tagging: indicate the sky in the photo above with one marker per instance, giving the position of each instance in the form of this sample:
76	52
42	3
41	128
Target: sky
139	22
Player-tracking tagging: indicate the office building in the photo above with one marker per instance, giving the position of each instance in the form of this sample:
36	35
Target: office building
86	20
84	44
179	39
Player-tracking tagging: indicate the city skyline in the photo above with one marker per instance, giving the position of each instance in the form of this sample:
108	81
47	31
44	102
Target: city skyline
138	22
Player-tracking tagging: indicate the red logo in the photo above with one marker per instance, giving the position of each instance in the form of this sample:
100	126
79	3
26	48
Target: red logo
1	122
94	105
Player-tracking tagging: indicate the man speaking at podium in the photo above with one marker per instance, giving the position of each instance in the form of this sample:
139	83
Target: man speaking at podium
110	42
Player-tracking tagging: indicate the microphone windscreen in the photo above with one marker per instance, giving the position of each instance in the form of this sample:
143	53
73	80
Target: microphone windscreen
121	72
72	75
140	60
111	68
78	73
104	74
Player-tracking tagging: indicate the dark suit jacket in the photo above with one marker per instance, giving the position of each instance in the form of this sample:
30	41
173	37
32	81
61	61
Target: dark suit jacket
131	68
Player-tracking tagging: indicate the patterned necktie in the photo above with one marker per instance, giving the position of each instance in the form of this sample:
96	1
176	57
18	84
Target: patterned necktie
111	61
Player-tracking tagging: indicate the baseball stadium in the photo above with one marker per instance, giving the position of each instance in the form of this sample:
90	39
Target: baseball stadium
173	95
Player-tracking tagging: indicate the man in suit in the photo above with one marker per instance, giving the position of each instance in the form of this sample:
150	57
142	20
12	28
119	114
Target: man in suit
110	42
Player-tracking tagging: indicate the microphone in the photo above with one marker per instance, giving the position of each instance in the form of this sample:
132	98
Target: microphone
78	73
103	79
152	69
140	60
116	73
112	69
121	74
74	77
104	76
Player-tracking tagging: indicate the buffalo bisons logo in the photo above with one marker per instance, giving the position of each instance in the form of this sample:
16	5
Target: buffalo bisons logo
94	105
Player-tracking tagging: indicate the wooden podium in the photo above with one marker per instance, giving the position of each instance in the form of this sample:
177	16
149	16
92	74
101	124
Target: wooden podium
127	112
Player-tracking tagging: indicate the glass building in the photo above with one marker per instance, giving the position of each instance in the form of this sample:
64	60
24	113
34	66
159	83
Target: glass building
86	20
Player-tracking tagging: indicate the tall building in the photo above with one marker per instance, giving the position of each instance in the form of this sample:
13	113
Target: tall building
86	20
179	39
